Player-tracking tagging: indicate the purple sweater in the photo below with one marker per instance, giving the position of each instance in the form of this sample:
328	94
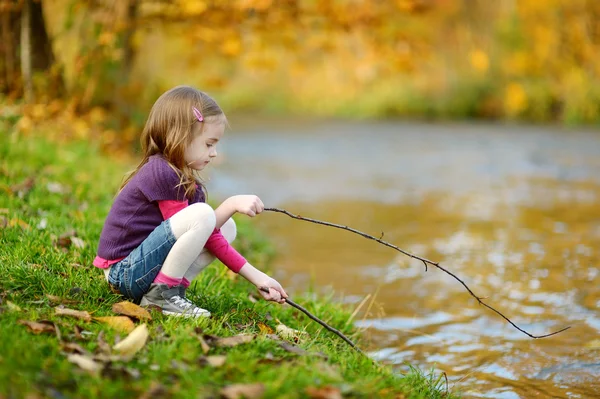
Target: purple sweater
135	212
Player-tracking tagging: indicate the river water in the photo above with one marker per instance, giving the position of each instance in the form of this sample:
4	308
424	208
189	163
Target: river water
513	211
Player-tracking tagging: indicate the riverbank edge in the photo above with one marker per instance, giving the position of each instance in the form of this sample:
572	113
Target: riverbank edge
57	196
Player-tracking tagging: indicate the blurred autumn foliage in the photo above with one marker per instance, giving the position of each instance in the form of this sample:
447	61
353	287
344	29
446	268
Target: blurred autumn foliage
109	59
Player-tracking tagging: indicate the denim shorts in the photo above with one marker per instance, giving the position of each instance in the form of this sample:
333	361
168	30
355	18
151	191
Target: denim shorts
133	275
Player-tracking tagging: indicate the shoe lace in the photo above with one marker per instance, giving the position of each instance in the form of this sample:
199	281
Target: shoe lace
185	304
181	302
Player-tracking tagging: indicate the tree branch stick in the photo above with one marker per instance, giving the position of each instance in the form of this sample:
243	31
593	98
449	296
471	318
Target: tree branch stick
424	260
321	322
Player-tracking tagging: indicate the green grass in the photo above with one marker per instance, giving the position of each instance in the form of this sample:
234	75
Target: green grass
72	188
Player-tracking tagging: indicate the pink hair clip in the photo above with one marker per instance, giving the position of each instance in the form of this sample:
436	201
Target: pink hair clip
198	114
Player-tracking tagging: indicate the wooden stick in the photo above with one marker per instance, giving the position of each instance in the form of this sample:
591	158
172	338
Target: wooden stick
321	322
425	262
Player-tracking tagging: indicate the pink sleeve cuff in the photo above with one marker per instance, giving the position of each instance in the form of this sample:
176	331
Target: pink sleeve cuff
218	246
168	208
104	263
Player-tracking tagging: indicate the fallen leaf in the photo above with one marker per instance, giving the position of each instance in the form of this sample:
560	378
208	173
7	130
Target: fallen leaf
327	392
131	309
69	239
289	333
18	222
248	391
120	323
59	300
38	327
133	343
77	242
12	307
86	363
265	329
203	344
72	347
214	361
77	331
270	359
102	344
24	187
79	314
230	341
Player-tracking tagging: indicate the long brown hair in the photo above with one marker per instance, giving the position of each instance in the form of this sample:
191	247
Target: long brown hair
168	131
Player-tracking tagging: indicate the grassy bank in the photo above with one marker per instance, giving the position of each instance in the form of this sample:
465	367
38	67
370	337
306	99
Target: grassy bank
53	201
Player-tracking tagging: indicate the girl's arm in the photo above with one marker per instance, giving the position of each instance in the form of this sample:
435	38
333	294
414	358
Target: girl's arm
249	205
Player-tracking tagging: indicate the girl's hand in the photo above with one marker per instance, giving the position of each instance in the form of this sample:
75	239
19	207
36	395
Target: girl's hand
276	292
249	205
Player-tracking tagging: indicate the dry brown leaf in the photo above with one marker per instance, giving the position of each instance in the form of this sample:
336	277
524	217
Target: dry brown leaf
133	342
119	323
102	345
234	341
80	314
265	329
68	239
23	188
248	391
86	363
72	347
131	309
214	361
38	327
327	392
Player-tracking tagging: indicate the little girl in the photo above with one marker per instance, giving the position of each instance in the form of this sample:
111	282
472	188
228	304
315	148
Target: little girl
160	233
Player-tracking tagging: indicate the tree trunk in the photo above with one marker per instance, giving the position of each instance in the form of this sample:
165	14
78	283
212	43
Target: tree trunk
26	51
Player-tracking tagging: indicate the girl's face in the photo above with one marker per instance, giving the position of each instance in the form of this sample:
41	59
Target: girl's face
203	147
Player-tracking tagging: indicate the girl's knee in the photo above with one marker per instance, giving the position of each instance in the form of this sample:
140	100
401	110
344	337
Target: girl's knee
202	215
195	217
229	230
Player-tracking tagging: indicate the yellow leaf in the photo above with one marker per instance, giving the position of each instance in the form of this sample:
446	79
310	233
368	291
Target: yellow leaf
120	323
133	343
131	309
265	329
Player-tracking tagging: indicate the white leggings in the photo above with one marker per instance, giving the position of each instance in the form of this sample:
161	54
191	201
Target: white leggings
192	226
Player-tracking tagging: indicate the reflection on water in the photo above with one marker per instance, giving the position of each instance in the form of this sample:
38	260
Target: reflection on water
514	212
